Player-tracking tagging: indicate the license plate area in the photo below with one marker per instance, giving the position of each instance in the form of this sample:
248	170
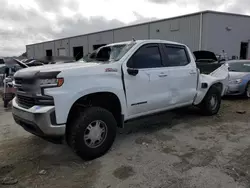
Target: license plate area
22	114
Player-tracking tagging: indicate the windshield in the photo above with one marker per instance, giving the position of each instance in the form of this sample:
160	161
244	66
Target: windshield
108	53
239	66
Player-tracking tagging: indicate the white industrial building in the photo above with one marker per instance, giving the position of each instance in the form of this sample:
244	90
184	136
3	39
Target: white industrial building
207	30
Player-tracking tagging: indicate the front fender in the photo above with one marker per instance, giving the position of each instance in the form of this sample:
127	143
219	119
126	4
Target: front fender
64	100
219	76
115	91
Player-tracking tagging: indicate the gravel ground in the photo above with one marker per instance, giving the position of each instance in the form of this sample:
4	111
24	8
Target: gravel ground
179	149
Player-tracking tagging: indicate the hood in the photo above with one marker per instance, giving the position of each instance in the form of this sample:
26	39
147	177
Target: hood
59	67
205	55
13	62
21	64
32	72
237	75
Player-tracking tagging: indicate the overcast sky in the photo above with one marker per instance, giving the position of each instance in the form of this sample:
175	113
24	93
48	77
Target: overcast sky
29	21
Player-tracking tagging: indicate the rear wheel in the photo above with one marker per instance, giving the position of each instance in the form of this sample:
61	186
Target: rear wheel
211	102
247	92
93	133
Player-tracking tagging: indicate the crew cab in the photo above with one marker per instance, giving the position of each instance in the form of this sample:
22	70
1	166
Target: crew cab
84	102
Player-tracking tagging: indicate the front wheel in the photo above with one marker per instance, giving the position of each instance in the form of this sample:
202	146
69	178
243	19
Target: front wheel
211	102
92	134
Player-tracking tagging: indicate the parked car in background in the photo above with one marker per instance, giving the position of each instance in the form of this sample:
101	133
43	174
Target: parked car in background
33	63
11	67
86	102
1	61
207	61
2	70
56	59
239	77
48	60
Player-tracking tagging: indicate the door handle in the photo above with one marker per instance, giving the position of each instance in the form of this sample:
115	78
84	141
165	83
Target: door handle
162	75
192	72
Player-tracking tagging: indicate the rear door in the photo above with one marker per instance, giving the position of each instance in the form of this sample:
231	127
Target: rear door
182	77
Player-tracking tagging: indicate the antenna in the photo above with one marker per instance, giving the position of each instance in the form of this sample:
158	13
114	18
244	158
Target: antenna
133	39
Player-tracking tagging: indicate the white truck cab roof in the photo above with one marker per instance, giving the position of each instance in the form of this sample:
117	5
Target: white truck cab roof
145	42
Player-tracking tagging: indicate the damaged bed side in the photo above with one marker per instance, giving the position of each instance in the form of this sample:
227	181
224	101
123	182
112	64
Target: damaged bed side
219	78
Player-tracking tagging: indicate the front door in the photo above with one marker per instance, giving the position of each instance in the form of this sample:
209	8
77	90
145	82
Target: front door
145	91
182	77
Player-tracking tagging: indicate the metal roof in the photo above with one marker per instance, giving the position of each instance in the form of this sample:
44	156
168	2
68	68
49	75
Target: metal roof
144	23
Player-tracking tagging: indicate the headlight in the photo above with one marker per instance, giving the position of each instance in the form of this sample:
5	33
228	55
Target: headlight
53	82
237	81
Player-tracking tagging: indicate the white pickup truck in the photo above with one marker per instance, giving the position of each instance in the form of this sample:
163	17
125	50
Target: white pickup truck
84	102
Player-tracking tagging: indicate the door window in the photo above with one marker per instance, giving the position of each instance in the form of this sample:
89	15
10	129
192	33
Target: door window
176	56
148	56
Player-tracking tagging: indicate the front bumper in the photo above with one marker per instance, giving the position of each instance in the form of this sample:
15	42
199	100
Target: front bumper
236	89
38	120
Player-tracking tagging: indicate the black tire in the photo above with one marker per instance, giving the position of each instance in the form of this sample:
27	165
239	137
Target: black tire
206	107
247	94
78	129
5	103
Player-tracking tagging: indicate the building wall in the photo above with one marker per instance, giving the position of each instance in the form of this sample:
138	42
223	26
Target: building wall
184	30
138	32
63	43
216	37
105	37
30	51
49	46
38	50
78	41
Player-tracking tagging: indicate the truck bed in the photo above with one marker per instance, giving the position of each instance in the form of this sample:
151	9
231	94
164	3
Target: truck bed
207	68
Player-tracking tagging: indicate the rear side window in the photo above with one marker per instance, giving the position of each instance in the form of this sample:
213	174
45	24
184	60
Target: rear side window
176	56
148	56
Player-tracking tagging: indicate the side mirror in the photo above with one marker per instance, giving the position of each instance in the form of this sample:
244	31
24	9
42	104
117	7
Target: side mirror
132	72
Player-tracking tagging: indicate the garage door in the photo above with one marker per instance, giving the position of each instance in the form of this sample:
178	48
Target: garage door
61	52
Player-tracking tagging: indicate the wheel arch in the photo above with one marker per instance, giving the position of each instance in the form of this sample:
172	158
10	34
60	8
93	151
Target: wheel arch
245	87
201	93
105	99
219	86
